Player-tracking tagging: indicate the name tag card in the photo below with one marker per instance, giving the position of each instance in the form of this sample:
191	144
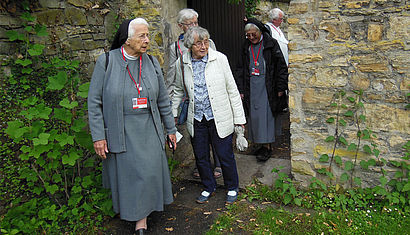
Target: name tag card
139	103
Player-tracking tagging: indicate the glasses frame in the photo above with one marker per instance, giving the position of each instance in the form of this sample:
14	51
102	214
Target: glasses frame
199	44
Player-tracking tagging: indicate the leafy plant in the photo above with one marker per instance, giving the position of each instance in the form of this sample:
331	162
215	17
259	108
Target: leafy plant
53	146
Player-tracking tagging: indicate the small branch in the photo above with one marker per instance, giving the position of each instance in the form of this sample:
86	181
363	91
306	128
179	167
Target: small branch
44	183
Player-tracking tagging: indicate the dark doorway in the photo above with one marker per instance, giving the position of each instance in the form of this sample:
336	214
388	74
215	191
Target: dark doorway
224	22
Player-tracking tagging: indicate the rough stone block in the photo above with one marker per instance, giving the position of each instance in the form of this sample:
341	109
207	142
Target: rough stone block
51	17
75	16
93	44
293	21
315	98
304	58
399	28
321	149
302	167
80	3
370	63
337	30
387	118
359	81
329	77
298	7
374	32
75	44
50	3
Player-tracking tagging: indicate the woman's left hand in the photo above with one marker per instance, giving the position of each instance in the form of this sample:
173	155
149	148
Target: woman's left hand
173	139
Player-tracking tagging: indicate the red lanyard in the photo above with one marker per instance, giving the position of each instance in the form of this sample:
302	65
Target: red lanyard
139	78
276	29
256	61
179	48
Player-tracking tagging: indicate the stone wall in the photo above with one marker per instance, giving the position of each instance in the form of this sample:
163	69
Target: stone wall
83	29
347	45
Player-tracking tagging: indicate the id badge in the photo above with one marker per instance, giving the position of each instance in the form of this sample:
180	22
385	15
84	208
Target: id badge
139	103
255	72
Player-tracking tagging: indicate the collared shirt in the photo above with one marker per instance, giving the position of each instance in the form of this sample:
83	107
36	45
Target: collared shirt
201	97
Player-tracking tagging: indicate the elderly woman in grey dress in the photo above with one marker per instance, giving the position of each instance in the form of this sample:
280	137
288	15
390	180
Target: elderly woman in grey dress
128	108
262	79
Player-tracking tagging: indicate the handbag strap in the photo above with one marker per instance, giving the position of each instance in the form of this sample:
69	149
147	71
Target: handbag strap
183	75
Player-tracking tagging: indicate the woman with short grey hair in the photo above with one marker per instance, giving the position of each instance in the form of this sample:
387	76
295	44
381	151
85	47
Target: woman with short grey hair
215	107
128	110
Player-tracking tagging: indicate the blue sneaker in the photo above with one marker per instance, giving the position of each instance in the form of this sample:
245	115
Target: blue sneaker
204	197
232	196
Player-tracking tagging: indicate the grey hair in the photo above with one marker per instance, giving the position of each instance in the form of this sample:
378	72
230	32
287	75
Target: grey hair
133	23
186	14
190	34
274	14
249	26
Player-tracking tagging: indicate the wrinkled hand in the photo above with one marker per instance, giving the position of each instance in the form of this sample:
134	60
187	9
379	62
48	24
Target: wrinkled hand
242	95
280	93
242	125
173	139
101	148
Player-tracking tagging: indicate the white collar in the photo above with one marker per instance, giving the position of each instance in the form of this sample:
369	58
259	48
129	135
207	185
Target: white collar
129	57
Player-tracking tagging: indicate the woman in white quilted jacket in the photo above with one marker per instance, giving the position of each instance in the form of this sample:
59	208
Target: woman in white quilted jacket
215	107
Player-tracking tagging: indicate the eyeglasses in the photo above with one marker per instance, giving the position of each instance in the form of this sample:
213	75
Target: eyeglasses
199	44
195	23
251	35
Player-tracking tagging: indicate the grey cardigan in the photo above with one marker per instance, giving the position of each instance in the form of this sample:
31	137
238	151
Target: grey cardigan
105	100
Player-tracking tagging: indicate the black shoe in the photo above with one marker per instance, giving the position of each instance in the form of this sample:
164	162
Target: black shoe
264	154
256	151
139	231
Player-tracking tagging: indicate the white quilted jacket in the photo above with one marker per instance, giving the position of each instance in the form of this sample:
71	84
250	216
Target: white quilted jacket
223	94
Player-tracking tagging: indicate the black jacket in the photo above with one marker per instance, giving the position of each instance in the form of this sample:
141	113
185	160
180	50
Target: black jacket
276	79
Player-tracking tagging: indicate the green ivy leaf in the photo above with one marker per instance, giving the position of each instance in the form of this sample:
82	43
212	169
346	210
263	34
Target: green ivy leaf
78	125
71	158
14	129
344	177
14	35
367	149
87	181
351	99
58	81
28	28
406	187
66	103
63	114
75	63
27	16
357	181
322	171
297	201
330	120
348	165
333	105
287	199
24	62
398	174
364	164
349	113
41	30
371	162
83	90
27	70
40	149
64	139
51	188
53	154
41	140
330	138
338	160
343	106
38	190
76	189
362	118
343	140
376	152
324	158
36	49
352	147
83	138
342	122
383	181
57	178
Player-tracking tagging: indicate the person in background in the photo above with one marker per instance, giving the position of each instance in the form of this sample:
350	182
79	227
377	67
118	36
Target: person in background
276	17
215	107
262	79
186	18
128	105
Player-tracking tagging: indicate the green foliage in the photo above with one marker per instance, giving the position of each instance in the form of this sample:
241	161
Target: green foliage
47	147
